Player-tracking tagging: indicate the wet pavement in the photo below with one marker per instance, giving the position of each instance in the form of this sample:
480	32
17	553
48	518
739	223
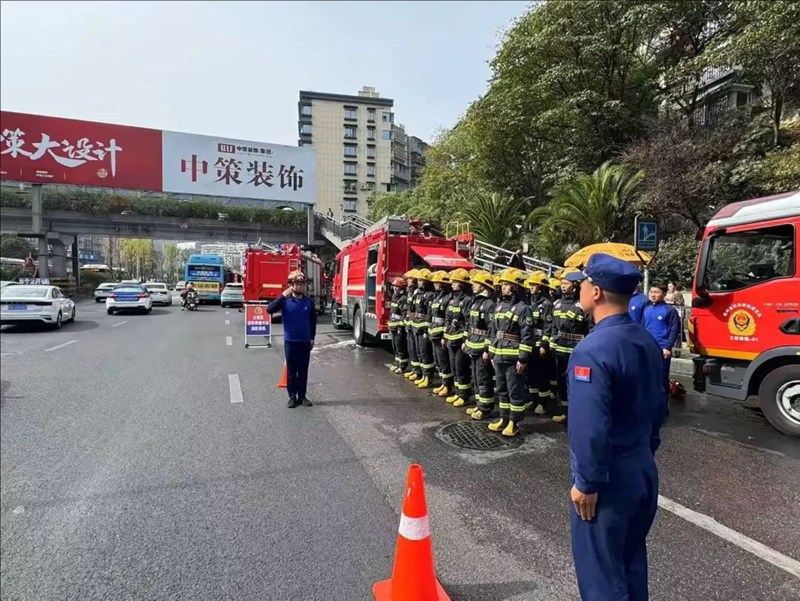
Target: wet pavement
130	470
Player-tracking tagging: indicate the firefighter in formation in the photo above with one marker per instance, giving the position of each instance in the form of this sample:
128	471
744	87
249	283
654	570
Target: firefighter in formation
503	339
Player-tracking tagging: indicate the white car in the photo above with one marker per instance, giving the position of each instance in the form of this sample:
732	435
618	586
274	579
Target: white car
160	293
232	295
103	290
43	304
129	297
180	286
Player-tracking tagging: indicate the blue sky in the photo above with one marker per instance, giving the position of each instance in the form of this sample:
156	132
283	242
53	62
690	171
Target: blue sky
234	68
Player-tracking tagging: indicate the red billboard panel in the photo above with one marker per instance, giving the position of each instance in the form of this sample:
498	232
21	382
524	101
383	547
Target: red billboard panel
51	150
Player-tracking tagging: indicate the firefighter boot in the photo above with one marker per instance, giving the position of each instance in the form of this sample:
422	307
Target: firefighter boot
459	402
499	425
438	389
540	410
477	414
424	382
560	419
413	377
471	410
511	429
409	374
452	399
445	391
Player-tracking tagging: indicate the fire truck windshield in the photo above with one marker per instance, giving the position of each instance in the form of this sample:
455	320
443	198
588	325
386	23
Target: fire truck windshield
741	259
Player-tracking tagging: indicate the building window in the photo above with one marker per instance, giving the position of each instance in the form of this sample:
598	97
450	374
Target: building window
370	133
371	115
387	134
305	128
305	110
387	117
371	170
370	186
350	150
349	132
350	112
350	187
350	168
350	205
370	152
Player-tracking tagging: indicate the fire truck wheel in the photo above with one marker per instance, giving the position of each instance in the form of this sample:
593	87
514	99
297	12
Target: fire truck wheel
336	321
779	395
358	327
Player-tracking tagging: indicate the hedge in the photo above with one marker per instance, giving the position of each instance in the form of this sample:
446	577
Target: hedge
100	203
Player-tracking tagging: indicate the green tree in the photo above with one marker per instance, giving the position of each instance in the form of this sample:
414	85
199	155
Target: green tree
675	260
591	208
14	247
136	255
495	219
765	45
171	262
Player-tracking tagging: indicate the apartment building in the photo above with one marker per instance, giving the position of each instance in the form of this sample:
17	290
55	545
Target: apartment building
401	174
416	159
352	136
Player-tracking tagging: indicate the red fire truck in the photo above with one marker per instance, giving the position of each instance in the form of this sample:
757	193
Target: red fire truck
266	273
745	322
364	268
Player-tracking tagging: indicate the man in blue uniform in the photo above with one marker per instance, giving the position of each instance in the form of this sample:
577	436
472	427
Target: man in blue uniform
637	304
664	324
299	331
617	404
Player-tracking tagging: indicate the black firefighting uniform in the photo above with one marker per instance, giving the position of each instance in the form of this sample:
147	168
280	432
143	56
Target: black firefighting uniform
436	317
481	315
571	324
411	338
455	334
421	327
511	336
541	368
397	327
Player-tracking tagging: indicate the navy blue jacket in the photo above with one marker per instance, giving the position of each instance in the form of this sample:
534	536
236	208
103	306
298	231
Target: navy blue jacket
299	317
664	323
636	306
617	404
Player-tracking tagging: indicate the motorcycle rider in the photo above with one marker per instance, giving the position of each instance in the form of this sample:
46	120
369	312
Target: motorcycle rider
185	294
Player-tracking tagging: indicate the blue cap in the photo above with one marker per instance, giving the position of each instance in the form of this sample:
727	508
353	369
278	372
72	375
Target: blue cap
609	273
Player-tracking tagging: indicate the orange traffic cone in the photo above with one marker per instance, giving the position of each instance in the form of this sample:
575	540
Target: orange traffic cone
284	377
412	577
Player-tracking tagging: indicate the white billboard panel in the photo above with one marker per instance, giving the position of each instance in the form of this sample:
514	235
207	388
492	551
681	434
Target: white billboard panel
237	168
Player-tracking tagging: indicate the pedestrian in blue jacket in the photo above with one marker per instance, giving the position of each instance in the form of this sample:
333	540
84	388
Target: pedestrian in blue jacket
664	324
616	408
637	304
299	330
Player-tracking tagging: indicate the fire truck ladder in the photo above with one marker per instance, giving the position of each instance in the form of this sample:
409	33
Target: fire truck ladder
340	233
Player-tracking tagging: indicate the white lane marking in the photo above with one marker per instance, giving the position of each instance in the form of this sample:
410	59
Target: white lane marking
235	388
62	345
227	312
227	322
779	560
229	340
119	324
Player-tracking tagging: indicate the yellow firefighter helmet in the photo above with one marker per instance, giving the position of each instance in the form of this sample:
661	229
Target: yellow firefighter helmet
484	278
440	277
460	275
536	278
296	275
554	283
424	274
512	275
411	274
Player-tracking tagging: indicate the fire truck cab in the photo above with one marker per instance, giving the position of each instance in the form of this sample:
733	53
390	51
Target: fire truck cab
266	273
745	322
365	267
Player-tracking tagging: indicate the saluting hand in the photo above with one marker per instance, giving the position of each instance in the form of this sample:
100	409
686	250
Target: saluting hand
585	505
288	292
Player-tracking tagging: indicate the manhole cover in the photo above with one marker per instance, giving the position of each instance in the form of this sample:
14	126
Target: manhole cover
476	435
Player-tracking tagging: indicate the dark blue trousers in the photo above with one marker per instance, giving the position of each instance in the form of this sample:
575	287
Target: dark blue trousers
610	552
298	355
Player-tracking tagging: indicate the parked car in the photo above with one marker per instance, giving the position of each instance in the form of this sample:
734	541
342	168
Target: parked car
160	293
232	295
180	286
129	297
102	291
43	304
5	283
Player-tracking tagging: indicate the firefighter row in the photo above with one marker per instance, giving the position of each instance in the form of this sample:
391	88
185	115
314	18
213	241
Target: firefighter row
503	340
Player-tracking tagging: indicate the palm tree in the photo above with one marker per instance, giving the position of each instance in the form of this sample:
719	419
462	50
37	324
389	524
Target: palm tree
588	208
496	220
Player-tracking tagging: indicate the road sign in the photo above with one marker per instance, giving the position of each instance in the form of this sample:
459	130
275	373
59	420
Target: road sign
645	234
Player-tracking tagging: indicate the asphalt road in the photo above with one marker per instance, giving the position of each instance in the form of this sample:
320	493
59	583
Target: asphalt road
128	473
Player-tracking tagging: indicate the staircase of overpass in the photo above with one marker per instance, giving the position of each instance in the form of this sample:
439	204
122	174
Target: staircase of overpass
485	256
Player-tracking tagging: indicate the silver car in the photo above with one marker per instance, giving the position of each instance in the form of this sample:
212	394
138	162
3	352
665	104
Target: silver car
102	291
160	293
42	304
232	295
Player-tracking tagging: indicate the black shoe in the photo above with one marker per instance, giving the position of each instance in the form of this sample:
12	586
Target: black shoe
307	403
293	402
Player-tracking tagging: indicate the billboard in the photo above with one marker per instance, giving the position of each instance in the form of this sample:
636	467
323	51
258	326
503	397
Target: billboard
226	167
43	150
50	150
